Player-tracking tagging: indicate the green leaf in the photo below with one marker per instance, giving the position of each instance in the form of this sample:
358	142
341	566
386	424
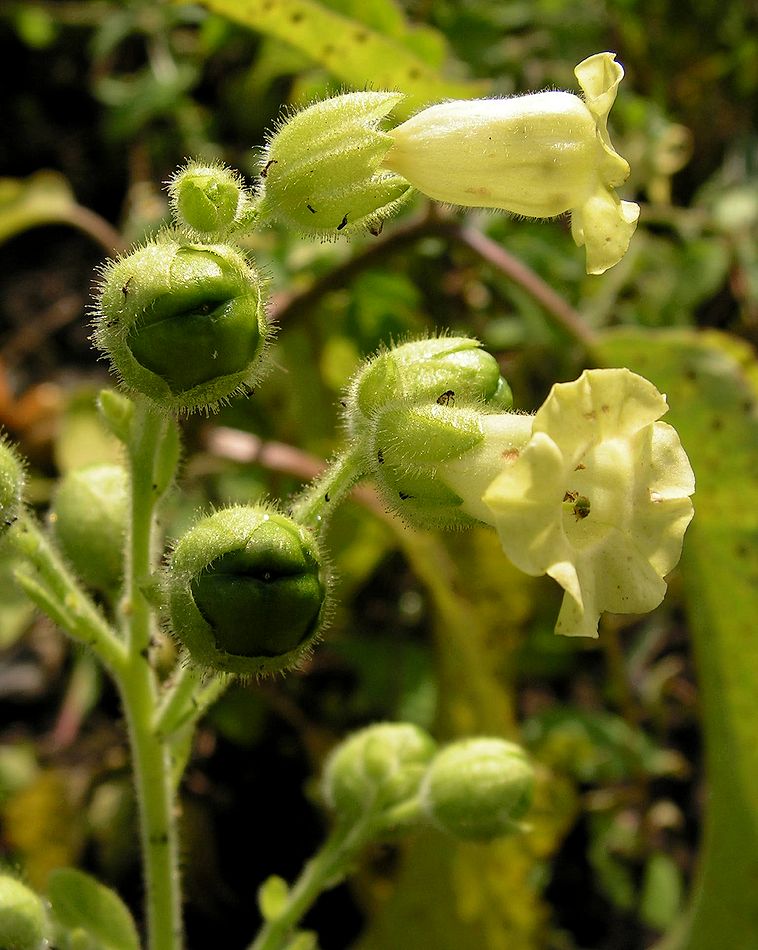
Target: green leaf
81	903
82	438
272	897
352	52
595	746
303	940
710	379
43	198
661	892
15	609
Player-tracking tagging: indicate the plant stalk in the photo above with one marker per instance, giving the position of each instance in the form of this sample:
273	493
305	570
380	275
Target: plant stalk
151	752
325	870
315	504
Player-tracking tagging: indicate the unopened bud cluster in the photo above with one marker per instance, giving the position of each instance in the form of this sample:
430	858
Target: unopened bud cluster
395	776
209	201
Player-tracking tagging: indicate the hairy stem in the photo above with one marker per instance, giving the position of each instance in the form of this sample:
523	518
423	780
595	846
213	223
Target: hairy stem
148	430
318	500
155	794
151	753
178	700
53	588
325	870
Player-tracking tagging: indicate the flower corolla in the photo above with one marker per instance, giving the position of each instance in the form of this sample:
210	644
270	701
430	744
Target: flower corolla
537	155
592	490
598	498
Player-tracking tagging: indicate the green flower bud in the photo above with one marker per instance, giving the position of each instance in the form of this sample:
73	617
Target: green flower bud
12	481
449	370
182	323
377	770
88	518
207	199
321	167
22	917
408	447
247	591
478	788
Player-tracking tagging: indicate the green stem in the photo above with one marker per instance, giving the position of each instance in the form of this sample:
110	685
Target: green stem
155	794
325	870
151	753
315	504
57	592
181	738
148	430
178	700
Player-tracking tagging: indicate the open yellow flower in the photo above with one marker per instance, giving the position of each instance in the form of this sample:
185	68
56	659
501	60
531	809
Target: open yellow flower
538	155
598	497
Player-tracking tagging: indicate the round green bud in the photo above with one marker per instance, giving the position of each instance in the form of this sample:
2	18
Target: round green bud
184	324
448	370
407	447
207	199
22	916
12	481
321	168
478	788
376	770
247	591
88	519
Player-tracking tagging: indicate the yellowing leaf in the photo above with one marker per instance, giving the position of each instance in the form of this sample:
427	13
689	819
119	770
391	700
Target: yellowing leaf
41	825
43	198
352	52
710	382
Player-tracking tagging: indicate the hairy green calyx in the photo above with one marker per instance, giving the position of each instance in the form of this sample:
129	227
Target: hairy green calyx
446	370
183	323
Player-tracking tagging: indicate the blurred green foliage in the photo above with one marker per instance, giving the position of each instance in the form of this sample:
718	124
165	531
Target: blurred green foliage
439	631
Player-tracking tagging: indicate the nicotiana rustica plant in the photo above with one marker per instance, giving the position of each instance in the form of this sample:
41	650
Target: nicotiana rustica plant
592	489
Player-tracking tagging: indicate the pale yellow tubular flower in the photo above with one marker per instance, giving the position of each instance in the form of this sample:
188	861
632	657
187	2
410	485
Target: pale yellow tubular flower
598	498
537	155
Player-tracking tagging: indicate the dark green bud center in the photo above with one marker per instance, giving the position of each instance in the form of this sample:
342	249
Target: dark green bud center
247	591
183	323
272	577
205	327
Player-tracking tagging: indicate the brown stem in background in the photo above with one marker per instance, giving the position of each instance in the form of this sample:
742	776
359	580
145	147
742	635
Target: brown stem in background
238	446
289	306
286	307
97	228
559	309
